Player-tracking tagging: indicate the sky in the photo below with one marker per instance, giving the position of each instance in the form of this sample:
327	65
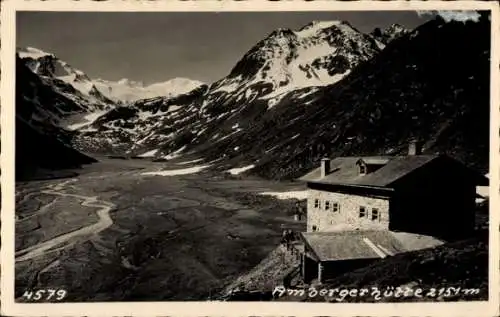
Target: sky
157	46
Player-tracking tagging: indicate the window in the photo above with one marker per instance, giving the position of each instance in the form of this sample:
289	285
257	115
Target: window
336	207
314	228
362	212
362	169
327	205
375	214
316	203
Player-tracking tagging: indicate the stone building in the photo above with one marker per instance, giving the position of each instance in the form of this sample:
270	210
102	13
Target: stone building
385	205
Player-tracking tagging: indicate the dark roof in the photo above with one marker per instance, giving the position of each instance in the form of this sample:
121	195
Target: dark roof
364	244
345	171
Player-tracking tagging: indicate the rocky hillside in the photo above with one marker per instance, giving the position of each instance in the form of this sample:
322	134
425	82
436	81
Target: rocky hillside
144	126
418	86
302	61
40	143
53	98
456	271
325	90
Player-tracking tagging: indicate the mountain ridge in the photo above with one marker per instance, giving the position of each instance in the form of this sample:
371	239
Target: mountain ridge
284	60
374	97
103	93
375	109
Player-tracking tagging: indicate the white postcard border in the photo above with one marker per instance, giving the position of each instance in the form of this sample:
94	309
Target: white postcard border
10	308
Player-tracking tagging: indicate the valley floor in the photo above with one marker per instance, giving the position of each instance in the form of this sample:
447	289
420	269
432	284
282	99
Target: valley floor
114	234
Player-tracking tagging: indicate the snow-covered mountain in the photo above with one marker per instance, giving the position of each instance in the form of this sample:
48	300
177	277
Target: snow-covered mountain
324	90
285	62
127	91
67	80
319	54
100	93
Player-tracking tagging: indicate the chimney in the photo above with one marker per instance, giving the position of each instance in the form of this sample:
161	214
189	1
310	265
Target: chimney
414	147
325	167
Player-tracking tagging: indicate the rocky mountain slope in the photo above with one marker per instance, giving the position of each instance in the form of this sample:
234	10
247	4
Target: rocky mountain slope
325	90
100	93
143	126
40	144
318	54
66	80
53	98
303	61
417	87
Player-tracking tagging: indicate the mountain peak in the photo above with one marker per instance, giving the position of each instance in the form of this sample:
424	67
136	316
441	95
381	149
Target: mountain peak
32	52
317	25
312	29
280	34
318	54
52	69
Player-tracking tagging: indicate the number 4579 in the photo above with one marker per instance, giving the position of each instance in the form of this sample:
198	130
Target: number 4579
44	294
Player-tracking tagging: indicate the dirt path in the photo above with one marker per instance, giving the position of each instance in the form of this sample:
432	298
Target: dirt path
104	222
